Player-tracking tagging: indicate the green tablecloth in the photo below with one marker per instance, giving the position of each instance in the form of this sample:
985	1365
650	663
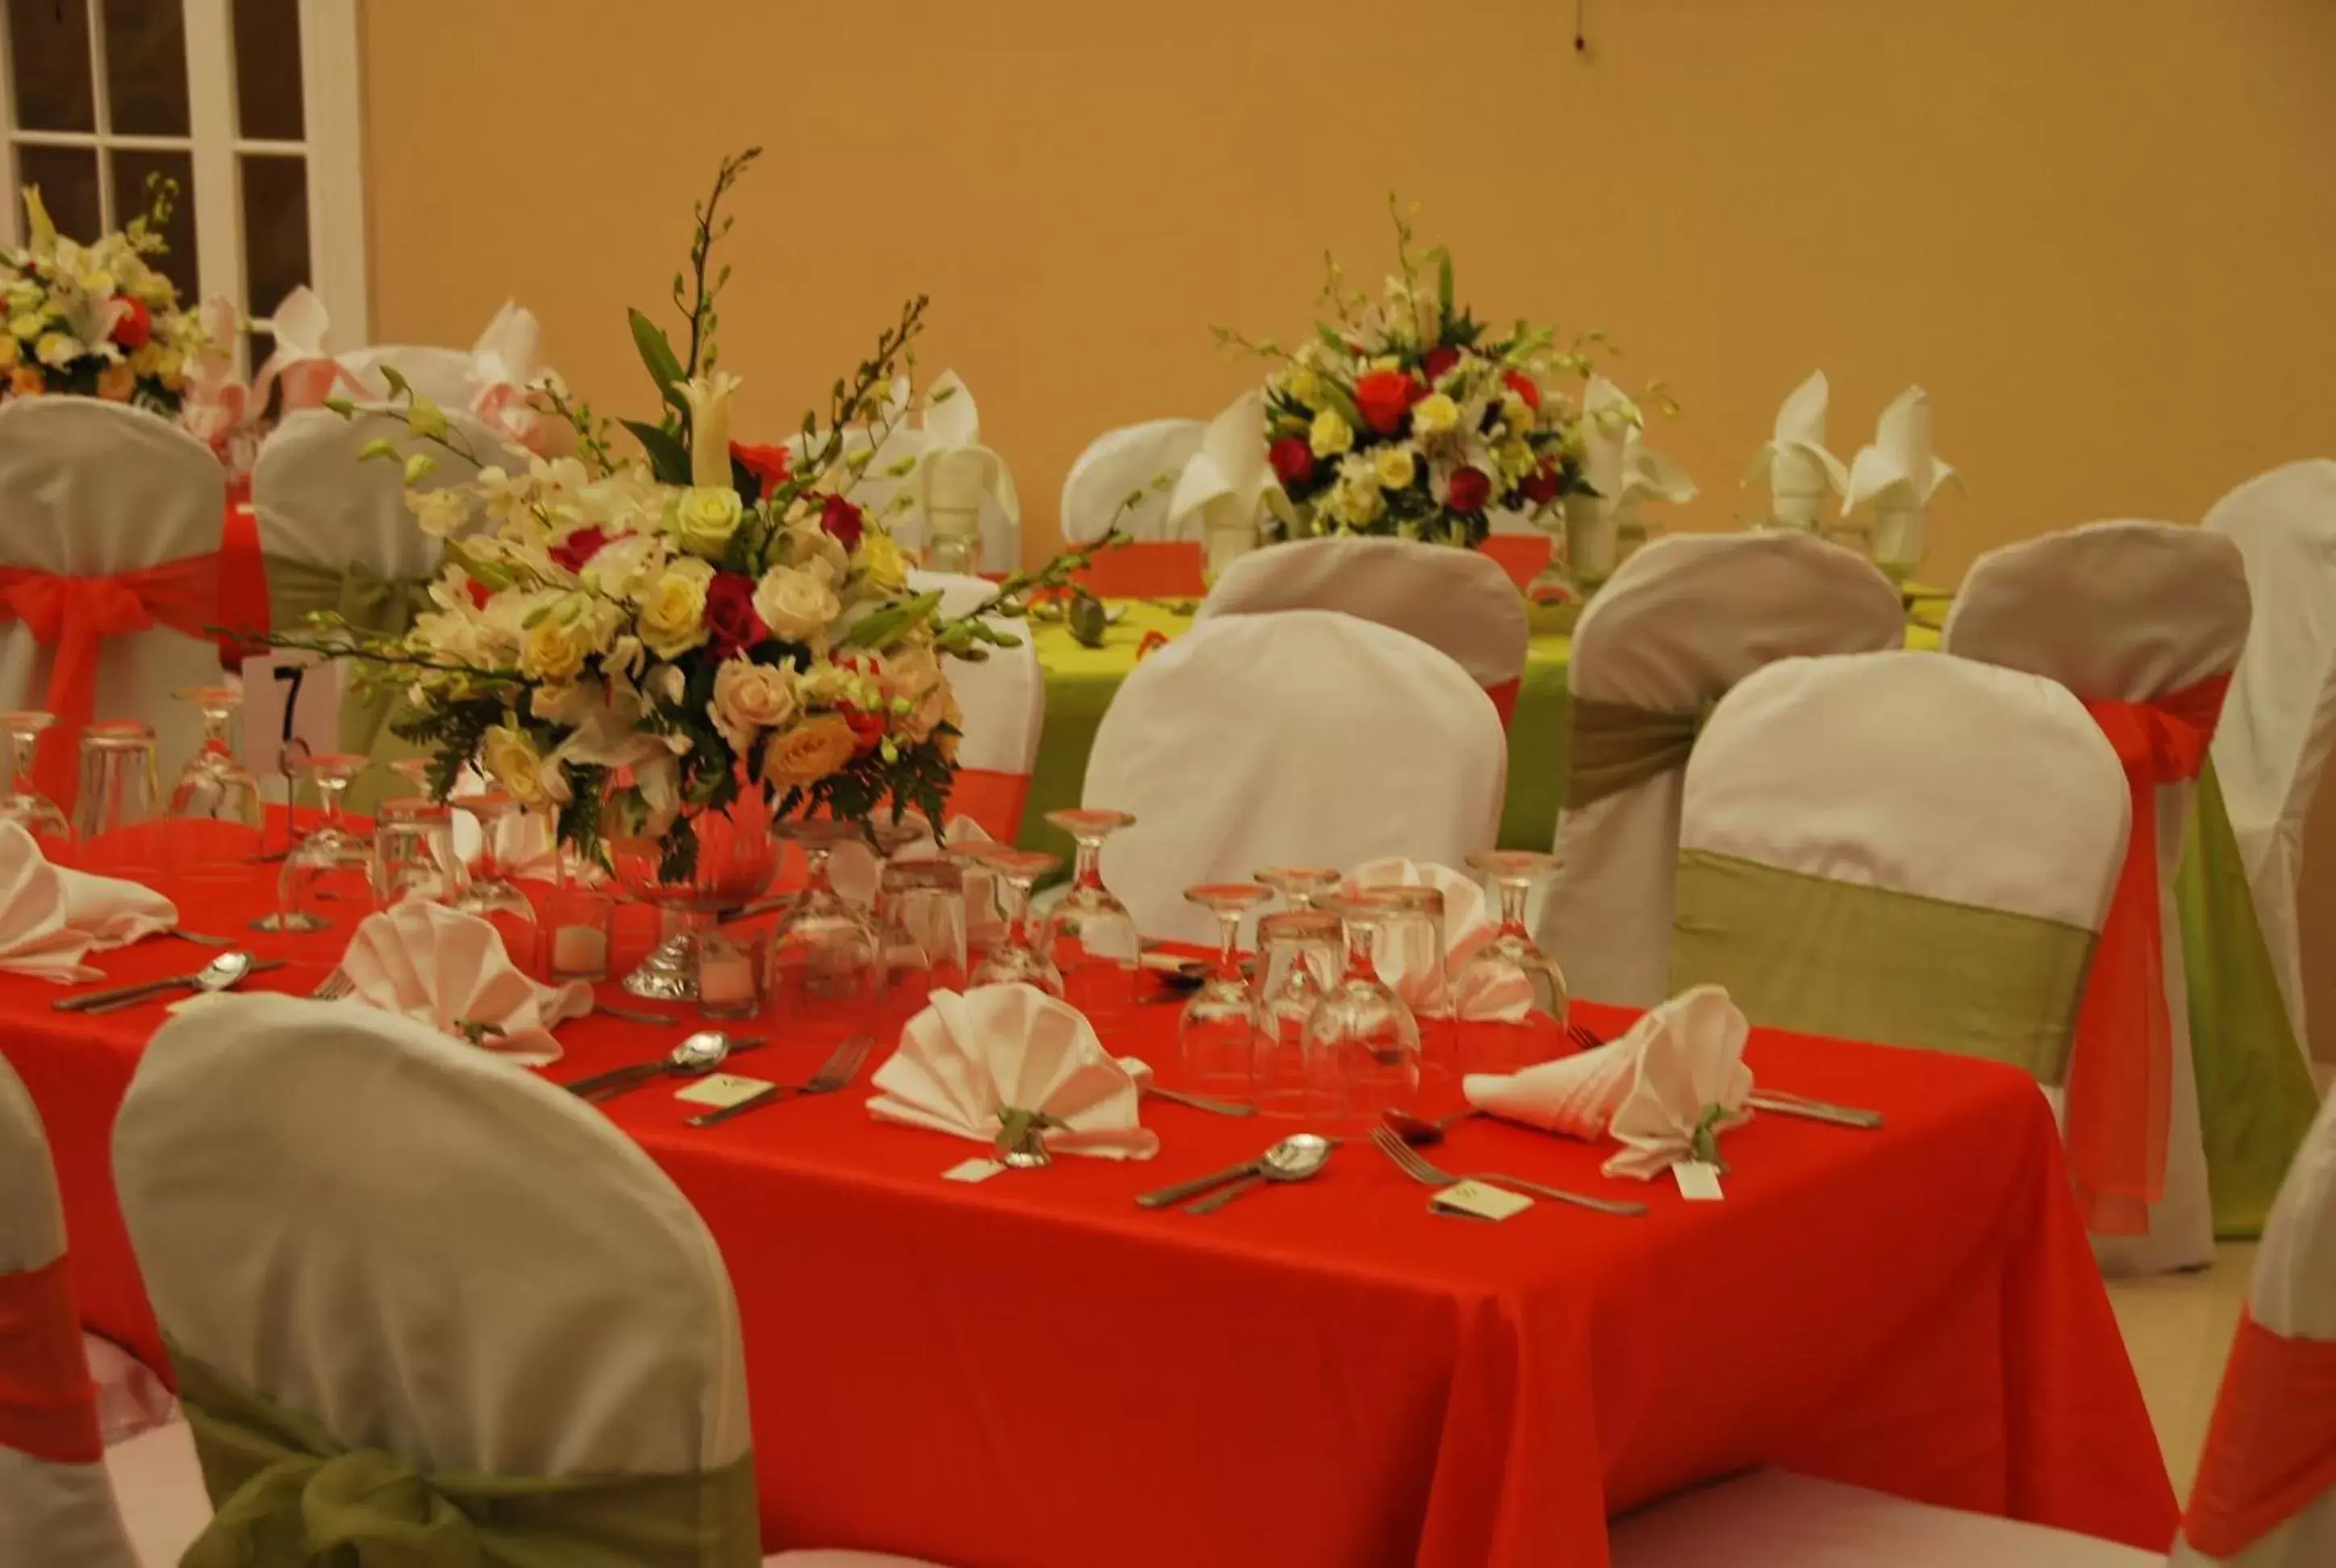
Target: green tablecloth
2255	1094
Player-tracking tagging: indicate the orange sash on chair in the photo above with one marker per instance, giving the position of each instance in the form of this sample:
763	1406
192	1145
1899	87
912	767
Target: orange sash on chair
48	1406
2120	1090
2270	1450
75	615
1505	698
993	800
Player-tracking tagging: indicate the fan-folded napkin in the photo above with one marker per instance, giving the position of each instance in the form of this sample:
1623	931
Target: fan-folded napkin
1900	472
1621	466
1665	1091
307	372
1468	925
449	970
52	917
1801	472
504	365
989	1062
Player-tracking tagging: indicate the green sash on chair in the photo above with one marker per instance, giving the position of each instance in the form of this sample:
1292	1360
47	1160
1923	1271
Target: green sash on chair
1616	746
1865	963
2255	1094
287	1495
370	602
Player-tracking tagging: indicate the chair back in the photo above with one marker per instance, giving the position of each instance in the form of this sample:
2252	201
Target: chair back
1900	848
2128	612
441	375
433	1305
1122	462
2279	721
56	1503
95	489
1683	621
1002	703
1304	738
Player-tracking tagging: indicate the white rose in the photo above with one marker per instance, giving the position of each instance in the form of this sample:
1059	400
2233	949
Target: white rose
512	761
555	647
671	618
748	697
706	518
797	605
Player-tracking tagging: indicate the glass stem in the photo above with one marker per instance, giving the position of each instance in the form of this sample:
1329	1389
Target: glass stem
1229	943
1514	891
1087	872
23	746
1361	963
329	800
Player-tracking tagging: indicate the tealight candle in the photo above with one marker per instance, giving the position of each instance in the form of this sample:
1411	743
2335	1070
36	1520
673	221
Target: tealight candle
579	951
725	979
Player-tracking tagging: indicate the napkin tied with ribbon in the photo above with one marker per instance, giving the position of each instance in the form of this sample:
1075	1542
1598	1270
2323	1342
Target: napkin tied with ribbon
300	372
1001	1061
52	917
1410	970
955	472
504	363
449	970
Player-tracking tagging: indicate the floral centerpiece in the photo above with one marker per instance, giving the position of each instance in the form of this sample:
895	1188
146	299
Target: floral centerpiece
1406	415
640	639
97	320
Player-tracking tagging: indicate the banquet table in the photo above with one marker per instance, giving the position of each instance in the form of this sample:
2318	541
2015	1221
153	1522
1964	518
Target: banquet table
1031	1372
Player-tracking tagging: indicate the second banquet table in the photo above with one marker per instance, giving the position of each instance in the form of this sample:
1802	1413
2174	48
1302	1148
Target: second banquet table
1033	1372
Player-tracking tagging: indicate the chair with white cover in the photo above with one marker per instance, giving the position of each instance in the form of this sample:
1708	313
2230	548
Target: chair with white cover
1681	622
2144	622
1304	737
2266	1495
1002	706
588	1374
1900	848
1457	601
58	1500
1127	462
2279	722
101	491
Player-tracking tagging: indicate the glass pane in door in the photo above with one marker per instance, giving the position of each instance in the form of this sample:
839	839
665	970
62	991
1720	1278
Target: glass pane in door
130	199
67	177
268	69
48	40
145	69
275	228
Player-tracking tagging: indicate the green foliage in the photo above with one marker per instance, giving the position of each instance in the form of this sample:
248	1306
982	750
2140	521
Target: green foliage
663	367
668	459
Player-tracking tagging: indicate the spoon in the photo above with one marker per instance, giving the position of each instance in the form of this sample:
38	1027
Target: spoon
218	975
1193	1188
697	1056
1293	1159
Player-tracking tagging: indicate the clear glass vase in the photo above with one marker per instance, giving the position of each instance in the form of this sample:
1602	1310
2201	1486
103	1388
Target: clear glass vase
708	861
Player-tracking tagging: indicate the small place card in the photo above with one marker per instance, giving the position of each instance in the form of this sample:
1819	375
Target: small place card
719	1089
972	1171
1699	1181
1475	1201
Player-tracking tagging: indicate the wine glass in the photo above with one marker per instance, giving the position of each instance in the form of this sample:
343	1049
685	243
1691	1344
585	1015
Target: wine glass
824	963
1023	952
117	813
413	853
1218	1034
489	891
413	772
1300	954
1510	974
334	862
216	811
1094	937
1361	1042
25	805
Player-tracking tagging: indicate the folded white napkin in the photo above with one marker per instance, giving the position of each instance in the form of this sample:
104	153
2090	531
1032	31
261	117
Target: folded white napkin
298	325
1801	472
955	472
970	1061
1223	484
1900	472
213	402
51	917
1468	924
443	968
1624	470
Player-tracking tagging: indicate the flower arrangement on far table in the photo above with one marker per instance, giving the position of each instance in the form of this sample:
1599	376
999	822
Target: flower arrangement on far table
97	320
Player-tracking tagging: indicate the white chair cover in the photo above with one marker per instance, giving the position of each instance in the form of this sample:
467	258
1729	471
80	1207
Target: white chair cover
421	1161
1457	601
1683	621
441	375
52	1511
1002	699
1121	462
1304	737
95	488
2280	719
2126	612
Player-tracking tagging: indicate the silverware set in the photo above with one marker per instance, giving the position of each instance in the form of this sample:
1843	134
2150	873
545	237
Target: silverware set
839	1071
1293	1159
221	973
696	1056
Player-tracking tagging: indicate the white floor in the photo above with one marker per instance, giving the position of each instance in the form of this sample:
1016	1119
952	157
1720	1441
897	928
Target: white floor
2178	1330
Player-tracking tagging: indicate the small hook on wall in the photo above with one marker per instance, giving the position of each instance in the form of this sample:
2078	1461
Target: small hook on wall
1581	33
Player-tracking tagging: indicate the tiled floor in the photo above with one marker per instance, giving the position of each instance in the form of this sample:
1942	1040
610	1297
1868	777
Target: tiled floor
2178	1330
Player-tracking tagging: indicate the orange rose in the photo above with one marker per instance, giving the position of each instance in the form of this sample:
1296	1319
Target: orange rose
808	752
27	381
115	383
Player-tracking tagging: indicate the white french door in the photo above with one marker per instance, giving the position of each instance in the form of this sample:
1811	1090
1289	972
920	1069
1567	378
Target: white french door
252	106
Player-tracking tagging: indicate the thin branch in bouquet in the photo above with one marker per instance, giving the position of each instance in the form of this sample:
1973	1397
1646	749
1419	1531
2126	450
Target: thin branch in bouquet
851	396
700	309
591	428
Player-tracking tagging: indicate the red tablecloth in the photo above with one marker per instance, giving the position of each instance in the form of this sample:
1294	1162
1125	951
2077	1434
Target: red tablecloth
1033	1372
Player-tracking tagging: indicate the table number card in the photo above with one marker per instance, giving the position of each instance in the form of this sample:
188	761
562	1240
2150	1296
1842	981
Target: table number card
291	701
1475	1201
719	1089
972	1171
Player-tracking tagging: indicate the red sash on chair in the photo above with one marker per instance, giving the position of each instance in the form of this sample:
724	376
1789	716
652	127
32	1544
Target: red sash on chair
75	615
48	1406
992	800
2120	1090
1505	698
1148	568
2270	1450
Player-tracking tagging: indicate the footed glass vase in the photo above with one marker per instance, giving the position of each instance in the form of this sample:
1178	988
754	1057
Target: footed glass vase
708	861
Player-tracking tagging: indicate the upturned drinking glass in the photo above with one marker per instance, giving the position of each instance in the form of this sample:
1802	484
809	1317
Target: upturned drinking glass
1300	887
1094	937
333	865
118	813
1512	970
920	934
824	966
1218	1034
1361	1041
25	805
489	891
1024	949
216	811
1300	952
413	855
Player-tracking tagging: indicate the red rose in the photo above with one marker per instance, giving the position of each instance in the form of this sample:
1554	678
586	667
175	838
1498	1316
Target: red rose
1542	485
842	522
134	325
1439	361
1384	396
731	624
579	547
480	592
867	729
1525	386
1293	460
1469	490
768	464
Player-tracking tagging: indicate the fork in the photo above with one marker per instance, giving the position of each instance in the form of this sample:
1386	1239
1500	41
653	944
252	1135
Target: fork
839	1070
1409	1161
333	987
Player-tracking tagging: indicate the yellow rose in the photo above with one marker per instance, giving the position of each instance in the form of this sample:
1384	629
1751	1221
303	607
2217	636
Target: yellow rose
750	696
880	561
512	761
1515	460
1434	414
706	518
59	350
808	752
1397	467
1303	384
1517	415
9	353
673	609
26	325
554	649
1331	433
797	605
